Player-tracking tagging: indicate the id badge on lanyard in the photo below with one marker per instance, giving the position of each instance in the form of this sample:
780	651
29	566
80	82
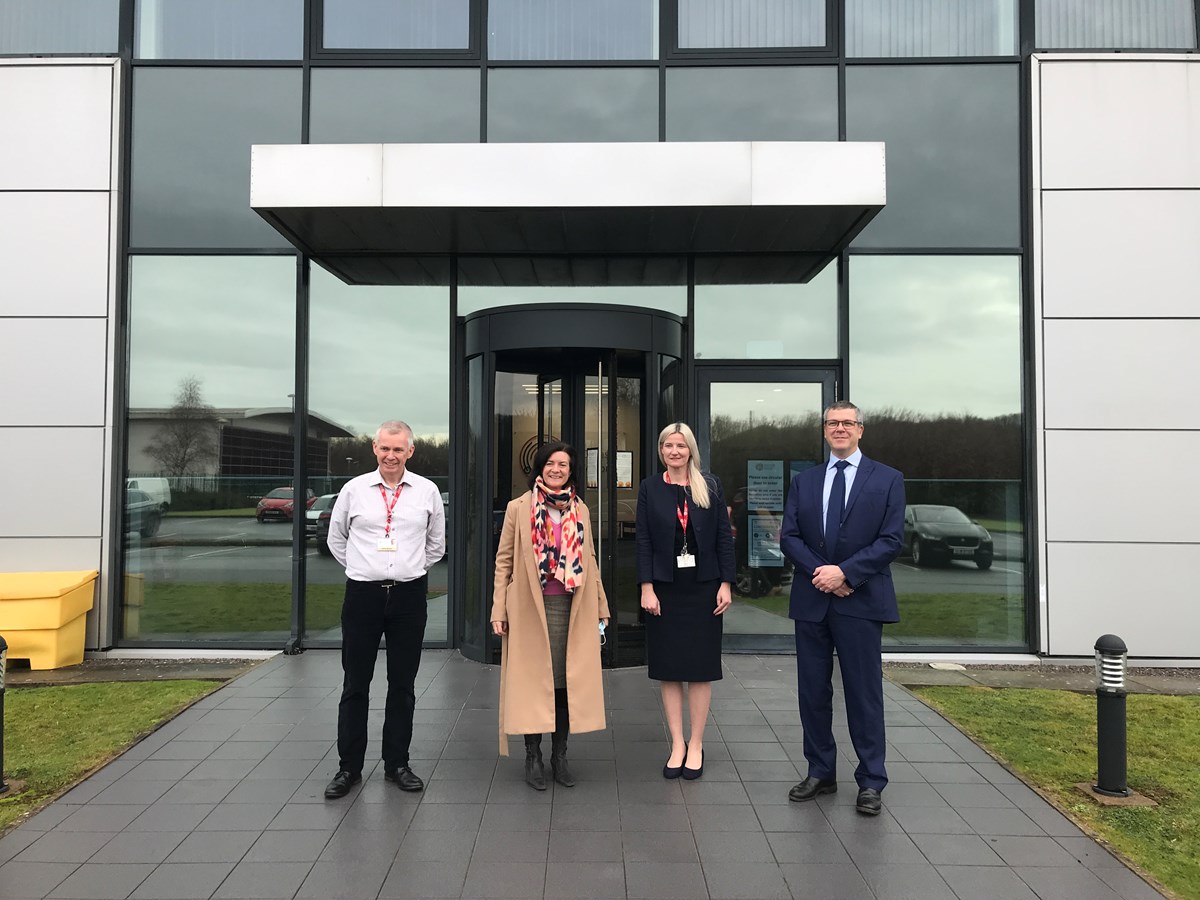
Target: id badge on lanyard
387	543
684	560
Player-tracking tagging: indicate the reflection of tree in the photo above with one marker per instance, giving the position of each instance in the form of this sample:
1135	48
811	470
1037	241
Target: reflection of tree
188	439
353	456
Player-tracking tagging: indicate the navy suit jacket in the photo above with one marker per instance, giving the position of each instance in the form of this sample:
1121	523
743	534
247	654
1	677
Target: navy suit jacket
871	536
657	523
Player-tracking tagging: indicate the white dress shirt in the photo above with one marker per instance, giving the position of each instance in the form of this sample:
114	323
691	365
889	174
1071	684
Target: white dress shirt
358	524
830	471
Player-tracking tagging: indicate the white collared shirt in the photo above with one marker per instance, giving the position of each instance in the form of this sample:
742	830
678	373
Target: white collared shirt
830	471
359	521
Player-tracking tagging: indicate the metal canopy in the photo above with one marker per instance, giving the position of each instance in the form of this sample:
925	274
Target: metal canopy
549	214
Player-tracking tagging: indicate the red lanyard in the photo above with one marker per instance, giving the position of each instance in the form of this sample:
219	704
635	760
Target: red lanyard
387	528
680	514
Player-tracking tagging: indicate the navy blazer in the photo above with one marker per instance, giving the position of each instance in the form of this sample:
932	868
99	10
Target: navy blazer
871	536
656	524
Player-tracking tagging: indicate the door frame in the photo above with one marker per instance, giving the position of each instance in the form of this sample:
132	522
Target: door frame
827	373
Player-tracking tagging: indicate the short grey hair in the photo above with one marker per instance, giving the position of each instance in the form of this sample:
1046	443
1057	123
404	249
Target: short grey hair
395	426
845	404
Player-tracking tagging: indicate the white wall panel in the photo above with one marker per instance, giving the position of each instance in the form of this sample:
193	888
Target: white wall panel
1092	597
49	554
1119	123
53	371
53	478
1106	373
38	232
1121	253
1123	486
56	123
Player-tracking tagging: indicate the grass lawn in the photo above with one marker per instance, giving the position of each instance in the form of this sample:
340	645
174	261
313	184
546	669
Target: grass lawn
222	607
933	618
1049	738
56	735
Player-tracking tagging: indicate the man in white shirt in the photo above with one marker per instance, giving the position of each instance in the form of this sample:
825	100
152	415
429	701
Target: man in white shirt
387	529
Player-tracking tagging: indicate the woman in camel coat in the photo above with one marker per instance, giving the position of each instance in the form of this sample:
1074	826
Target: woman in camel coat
548	606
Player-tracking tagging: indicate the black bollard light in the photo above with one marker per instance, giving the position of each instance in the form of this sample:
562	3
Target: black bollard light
1110	717
3	664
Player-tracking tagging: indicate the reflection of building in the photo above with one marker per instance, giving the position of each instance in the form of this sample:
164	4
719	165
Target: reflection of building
1028	177
247	442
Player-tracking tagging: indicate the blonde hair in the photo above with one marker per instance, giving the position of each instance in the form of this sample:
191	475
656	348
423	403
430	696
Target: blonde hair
696	480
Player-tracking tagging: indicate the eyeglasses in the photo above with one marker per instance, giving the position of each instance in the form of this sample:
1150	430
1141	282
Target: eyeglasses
841	423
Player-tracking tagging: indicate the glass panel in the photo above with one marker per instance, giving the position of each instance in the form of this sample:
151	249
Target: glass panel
59	26
1127	24
572	105
671	299
211	348
192	131
219	29
931	28
367	106
397	24
953	152
573	29
760	103
761	434
727	24
419	319
774	321
935	353
626	471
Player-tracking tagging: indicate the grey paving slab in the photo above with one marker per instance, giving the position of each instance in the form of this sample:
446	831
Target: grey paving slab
228	801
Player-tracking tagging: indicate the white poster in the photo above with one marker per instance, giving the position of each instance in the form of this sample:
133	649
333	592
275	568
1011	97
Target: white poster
764	484
763	547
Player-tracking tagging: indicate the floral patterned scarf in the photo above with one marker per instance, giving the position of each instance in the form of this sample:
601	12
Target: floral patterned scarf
564	562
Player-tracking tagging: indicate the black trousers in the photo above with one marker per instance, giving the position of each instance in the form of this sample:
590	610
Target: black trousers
369	612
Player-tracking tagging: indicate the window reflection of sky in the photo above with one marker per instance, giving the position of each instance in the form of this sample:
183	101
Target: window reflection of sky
934	334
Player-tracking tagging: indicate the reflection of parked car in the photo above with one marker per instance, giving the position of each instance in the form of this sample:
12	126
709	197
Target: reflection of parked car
934	535
324	517
322	503
278	504
142	513
157	489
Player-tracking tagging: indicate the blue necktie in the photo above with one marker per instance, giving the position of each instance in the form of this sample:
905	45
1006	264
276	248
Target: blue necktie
836	507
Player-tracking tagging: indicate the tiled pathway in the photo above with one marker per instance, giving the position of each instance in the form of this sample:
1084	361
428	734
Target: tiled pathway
226	801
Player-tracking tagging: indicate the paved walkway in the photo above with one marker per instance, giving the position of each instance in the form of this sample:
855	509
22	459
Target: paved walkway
226	801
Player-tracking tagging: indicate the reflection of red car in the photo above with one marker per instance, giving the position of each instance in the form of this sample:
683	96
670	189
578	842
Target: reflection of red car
279	504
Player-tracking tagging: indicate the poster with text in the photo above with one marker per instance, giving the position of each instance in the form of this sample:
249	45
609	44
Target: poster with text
764	484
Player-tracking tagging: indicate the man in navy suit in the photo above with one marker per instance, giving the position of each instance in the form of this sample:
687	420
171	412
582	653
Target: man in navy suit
842	527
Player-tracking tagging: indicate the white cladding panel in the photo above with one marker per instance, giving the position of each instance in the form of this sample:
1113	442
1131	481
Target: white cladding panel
1119	124
1121	253
56	368
49	554
38	231
53	478
1108	373
1122	486
57	123
1092	597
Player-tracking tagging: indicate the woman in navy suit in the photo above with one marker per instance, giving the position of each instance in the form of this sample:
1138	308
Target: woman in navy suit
685	567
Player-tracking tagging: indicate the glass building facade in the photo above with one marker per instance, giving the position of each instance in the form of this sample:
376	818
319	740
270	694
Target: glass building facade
253	379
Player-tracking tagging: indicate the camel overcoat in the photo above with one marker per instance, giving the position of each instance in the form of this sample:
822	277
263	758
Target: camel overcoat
526	676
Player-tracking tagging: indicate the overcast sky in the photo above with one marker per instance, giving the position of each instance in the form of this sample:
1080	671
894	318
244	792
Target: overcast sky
930	334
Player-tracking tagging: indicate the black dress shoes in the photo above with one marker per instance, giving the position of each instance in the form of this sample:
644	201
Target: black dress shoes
405	778
673	771
869	802
341	784
692	774
812	787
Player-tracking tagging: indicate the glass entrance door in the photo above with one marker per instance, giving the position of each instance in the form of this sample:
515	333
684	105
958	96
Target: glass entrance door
592	400
759	426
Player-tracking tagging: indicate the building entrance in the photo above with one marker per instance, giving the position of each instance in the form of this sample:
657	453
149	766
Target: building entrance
605	393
